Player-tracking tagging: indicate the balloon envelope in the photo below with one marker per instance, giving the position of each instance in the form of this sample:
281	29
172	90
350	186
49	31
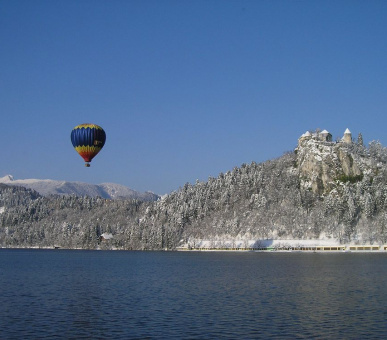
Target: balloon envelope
88	140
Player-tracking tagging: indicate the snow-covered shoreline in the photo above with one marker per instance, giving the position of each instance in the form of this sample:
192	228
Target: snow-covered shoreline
309	250
312	245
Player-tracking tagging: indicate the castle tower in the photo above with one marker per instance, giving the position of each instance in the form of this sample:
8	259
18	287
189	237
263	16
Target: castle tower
325	136
306	135
347	136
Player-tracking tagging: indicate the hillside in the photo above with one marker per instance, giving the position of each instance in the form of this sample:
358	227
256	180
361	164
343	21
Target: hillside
323	191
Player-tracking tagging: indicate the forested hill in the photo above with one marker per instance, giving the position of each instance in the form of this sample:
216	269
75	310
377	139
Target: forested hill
322	190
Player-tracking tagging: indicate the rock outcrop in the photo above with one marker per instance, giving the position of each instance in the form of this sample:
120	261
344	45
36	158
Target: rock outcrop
322	164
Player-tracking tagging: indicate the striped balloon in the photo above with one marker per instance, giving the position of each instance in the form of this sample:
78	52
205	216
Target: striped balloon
88	140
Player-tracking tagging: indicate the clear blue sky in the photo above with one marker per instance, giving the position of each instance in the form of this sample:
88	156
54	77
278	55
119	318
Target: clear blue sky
184	89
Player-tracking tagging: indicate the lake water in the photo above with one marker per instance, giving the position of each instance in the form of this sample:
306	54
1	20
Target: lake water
191	295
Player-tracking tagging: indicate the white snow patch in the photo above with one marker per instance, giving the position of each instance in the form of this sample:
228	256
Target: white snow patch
107	236
2	209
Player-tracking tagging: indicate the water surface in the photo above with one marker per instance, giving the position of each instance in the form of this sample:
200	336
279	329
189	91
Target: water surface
192	295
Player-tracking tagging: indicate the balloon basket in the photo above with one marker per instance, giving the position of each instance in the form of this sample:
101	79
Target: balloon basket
87	165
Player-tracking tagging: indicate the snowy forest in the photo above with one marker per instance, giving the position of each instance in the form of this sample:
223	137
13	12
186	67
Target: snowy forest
276	199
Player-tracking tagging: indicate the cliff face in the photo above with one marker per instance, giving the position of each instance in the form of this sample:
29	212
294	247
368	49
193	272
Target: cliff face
322	164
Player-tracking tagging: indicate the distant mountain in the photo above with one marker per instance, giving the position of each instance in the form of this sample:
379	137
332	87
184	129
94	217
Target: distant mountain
48	187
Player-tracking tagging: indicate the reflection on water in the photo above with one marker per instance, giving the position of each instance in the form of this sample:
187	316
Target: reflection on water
191	295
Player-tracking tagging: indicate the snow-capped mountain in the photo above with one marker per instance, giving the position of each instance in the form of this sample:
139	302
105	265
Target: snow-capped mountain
47	187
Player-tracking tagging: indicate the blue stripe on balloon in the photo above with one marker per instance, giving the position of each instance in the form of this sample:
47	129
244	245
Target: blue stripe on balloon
87	137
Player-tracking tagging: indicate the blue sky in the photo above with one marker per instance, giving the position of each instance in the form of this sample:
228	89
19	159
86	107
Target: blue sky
184	89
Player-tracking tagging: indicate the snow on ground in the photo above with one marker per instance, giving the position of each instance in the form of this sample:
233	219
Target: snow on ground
2	209
275	243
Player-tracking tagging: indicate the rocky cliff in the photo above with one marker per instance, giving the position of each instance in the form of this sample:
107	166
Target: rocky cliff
322	164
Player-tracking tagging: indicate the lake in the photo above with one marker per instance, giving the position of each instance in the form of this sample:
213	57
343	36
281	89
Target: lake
75	294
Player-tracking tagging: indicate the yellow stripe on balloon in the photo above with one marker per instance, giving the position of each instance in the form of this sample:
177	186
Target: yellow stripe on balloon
85	126
87	148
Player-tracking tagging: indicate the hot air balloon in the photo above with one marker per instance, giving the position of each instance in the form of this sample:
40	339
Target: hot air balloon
88	140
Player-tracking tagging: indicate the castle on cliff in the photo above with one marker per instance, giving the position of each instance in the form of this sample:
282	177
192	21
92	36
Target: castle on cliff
325	136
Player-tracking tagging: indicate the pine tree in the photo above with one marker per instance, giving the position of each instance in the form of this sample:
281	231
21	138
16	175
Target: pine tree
360	140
